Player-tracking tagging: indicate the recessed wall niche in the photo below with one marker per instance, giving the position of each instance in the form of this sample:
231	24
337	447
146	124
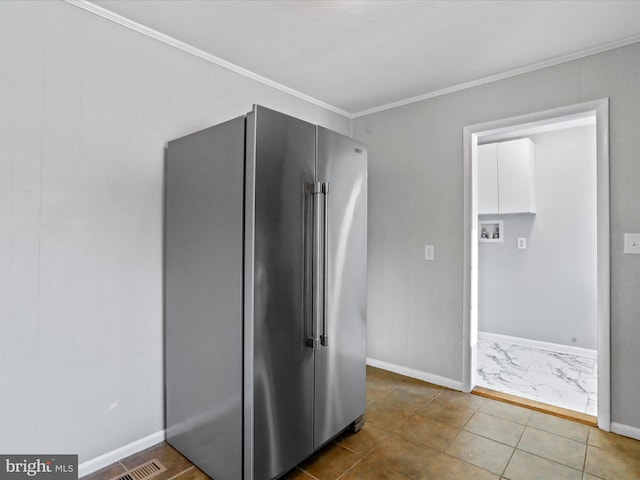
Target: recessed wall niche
491	231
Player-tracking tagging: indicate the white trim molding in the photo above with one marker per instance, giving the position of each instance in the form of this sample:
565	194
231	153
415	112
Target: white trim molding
626	430
420	375
501	76
106	459
185	47
471	134
551	347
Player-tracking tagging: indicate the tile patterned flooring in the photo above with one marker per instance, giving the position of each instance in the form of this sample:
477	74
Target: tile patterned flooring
560	379
415	430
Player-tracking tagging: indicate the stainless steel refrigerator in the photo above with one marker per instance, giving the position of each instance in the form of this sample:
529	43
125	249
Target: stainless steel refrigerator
265	293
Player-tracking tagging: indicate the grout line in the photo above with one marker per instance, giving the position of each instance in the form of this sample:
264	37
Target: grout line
350	468
346	448
549	460
386	466
491	414
493	439
555	434
399	427
450	442
180	473
298	467
304	471
586	453
508	461
469	463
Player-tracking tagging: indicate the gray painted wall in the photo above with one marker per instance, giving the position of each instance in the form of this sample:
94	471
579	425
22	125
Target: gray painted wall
86	107
416	197
547	292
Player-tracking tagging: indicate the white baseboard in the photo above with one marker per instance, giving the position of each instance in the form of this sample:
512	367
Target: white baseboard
90	466
420	375
626	430
552	347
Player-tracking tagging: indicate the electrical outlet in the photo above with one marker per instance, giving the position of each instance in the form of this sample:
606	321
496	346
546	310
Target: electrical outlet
522	243
632	243
429	252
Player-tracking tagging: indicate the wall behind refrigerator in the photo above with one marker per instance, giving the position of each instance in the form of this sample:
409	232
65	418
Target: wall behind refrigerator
86	107
547	292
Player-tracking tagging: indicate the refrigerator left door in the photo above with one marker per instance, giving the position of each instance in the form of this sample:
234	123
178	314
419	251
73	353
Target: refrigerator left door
280	164
203	297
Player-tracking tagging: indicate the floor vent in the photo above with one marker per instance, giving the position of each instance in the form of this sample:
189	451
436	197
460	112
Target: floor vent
142	472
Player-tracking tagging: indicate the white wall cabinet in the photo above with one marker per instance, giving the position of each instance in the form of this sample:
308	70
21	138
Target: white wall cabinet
488	178
506	177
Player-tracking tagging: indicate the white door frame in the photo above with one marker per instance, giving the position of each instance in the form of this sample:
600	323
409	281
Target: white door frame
470	281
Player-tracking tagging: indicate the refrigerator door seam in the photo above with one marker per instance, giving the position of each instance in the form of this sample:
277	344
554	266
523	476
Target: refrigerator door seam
249	265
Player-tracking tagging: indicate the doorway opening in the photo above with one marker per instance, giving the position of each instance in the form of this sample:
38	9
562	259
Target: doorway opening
506	249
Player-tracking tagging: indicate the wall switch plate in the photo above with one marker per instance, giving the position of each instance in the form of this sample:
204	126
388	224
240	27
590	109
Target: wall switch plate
522	243
632	243
429	252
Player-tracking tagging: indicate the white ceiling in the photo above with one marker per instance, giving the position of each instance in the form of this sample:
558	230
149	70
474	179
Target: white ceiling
359	56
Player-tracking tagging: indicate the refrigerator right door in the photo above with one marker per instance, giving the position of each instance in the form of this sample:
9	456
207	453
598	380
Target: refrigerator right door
340	366
281	161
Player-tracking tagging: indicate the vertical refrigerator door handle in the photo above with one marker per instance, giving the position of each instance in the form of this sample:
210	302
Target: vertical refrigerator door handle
315	189
324	339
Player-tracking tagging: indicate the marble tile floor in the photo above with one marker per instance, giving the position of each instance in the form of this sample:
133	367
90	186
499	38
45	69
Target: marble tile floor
560	379
415	430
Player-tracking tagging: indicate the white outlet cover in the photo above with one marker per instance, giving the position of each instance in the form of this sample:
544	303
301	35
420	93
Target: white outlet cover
522	243
429	252
632	243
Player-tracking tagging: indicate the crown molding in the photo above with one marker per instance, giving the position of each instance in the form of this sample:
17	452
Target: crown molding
185	47
501	76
